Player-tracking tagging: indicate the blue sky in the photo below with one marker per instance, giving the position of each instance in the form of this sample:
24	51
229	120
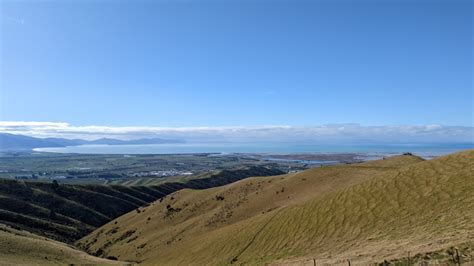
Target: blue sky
247	63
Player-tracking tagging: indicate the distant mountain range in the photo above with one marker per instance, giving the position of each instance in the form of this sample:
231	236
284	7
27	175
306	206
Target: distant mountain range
12	142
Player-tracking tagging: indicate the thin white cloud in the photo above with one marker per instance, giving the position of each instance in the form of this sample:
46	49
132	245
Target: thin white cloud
322	133
15	20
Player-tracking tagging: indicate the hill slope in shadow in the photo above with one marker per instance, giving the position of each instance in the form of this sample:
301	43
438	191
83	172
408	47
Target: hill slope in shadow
69	212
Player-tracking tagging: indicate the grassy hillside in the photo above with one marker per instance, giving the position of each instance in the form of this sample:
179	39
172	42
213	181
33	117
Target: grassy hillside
23	248
65	212
364	212
69	212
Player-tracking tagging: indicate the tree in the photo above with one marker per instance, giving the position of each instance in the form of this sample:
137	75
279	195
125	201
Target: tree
55	185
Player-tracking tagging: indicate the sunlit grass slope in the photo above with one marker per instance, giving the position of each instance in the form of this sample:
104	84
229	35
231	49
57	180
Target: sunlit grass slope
363	212
23	248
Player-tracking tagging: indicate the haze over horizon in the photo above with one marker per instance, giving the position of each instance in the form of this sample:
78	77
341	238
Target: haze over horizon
330	133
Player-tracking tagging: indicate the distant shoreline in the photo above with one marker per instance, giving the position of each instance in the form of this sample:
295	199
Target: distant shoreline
262	148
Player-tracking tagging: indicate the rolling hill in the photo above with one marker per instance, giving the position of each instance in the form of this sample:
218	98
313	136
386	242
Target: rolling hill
23	248
69	212
400	208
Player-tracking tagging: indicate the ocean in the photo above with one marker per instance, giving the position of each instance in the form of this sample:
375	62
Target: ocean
270	148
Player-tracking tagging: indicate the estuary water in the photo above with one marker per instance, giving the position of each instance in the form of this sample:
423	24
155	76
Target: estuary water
271	148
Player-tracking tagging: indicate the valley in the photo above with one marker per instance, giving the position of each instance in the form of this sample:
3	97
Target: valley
68	212
151	169
399	209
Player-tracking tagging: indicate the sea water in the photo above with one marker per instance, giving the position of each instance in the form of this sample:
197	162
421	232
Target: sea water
275	148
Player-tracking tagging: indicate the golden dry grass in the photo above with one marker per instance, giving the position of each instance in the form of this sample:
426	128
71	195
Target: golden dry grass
364	212
23	248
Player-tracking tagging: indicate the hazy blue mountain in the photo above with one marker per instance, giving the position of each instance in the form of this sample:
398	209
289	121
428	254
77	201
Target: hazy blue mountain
14	142
133	142
20	142
67	142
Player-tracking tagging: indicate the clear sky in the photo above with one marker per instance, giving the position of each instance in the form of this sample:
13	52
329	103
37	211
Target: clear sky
226	63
